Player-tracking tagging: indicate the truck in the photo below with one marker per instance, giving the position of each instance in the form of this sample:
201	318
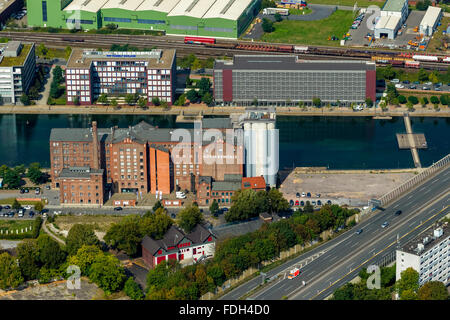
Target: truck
283	12
294	273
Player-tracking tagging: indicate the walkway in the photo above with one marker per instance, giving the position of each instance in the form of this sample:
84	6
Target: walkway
414	152
46	93
44	227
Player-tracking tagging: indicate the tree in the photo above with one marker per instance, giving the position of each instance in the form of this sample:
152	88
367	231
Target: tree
79	235
433	290
255	102
423	5
107	273
41	50
401	99
267	25
10	276
132	289
204	86
16	205
388	72
369	102
316	102
39	206
28	256
413	100
444	99
57	75
125	235
196	64
157	224
192	96
25	99
114	102
278	17
424	101
36	226
142	102
277	203
34	172
85	257
214	207
247	204
433	77
51	255
207	98
11	179
68	51
189	217
410	106
130	99
409	282
434	100
103	98
181	100
156	101
423	75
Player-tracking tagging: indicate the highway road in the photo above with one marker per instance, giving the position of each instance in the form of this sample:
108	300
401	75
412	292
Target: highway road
337	261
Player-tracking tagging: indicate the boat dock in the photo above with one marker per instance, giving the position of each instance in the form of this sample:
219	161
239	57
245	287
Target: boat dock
410	140
185	117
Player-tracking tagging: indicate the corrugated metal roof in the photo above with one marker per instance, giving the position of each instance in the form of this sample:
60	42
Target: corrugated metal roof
191	8
227	9
123	4
430	17
85	5
387	22
394	5
158	5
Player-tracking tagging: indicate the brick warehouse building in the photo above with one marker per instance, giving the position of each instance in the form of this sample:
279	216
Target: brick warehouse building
150	74
281	79
137	159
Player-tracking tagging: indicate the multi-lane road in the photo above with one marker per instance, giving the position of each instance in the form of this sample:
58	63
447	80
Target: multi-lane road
334	263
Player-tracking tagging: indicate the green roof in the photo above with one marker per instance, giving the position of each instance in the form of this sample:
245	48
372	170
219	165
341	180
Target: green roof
16	61
394	5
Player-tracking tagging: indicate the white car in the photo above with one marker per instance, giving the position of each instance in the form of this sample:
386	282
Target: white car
399	86
303	194
57	212
28	207
180	195
395	81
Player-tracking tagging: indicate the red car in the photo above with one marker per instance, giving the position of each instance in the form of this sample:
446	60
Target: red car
297	203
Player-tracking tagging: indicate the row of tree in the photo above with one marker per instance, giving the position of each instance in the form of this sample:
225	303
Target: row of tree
407	287
389	73
12	177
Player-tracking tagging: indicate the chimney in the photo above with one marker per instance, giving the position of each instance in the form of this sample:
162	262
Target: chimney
95	155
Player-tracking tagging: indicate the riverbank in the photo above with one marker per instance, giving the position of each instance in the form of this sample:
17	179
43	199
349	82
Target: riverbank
218	111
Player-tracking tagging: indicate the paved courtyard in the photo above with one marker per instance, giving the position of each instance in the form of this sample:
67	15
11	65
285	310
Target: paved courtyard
342	187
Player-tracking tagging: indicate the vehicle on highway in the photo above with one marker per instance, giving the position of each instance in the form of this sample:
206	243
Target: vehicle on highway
294	273
359	231
385	224
398	212
297	195
118	208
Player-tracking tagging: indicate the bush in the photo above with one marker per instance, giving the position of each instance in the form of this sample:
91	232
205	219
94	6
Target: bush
434	100
133	290
36	227
401	99
413	99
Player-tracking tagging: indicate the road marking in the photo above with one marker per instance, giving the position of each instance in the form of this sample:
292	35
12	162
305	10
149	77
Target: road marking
355	244
412	223
427	191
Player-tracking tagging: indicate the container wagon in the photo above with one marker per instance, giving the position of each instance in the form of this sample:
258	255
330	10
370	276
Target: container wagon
199	40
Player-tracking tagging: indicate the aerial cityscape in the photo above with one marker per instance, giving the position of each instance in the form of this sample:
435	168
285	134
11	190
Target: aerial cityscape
224	150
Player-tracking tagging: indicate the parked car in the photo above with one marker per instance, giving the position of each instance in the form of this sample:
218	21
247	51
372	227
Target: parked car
27	207
7	207
31	214
319	203
429	83
302	203
438	89
26	190
399	86
20	214
173	216
406	81
118	208
313	203
11	214
303	194
385	224
224	209
412	86
395	80
37	190
329	201
426	88
47	187
416	82
22	191
297	202
308	195
297	195
318	195
291	202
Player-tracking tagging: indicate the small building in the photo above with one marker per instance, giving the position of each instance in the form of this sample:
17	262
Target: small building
430	21
396	8
266	217
81	186
428	254
393	14
188	248
255	183
17	70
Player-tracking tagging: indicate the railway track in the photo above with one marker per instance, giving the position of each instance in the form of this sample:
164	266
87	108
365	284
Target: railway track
105	41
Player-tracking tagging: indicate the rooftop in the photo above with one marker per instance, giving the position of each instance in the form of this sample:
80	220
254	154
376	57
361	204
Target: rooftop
4	4
15	61
394	5
387	22
86	5
428	239
157	58
253	183
79	172
290	62
431	16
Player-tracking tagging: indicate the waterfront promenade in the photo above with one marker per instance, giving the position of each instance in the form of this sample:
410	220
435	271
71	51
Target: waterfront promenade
220	111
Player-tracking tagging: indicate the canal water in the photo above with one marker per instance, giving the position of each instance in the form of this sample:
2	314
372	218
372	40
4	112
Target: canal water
334	142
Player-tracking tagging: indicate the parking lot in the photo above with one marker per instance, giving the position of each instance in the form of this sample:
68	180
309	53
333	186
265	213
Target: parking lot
416	85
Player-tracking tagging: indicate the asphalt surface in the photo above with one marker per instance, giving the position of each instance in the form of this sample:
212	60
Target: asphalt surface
424	86
337	261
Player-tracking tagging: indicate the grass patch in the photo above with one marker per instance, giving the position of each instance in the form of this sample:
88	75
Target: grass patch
99	222
351	3
299	12
22	202
436	44
12	226
312	32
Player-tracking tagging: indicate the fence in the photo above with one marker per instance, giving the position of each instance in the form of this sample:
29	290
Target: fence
391	195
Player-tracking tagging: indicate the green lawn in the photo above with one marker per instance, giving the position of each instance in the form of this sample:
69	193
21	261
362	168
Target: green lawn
11	200
299	12
312	32
360	3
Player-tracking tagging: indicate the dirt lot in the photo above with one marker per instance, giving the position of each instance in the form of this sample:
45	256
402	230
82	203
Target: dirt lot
55	291
343	185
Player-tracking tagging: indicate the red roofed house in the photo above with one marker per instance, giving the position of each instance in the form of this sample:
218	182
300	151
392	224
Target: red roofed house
255	183
199	243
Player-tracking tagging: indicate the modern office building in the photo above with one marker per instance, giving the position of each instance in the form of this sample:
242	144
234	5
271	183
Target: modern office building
221	18
393	14
273	80
17	70
150	74
428	254
142	158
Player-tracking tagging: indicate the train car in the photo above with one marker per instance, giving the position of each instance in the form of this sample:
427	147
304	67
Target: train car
300	49
72	40
199	40
412	64
446	60
397	63
425	58
285	48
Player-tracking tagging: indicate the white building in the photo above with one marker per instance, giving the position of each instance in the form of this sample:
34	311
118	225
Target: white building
261	144
393	14
430	21
428	254
17	70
